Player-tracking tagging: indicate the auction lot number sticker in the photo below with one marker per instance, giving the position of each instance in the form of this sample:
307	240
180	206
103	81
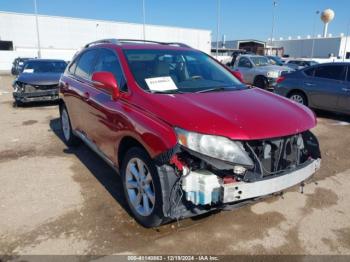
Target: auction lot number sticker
163	83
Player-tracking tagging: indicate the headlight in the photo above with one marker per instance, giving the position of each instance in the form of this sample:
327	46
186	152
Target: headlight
214	146
273	74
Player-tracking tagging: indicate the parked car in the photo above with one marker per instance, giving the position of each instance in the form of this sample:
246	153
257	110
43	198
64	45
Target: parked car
275	60
323	86
234	56
184	134
257	70
17	65
38	81
297	64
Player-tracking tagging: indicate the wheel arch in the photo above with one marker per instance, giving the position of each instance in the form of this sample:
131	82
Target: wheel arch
125	144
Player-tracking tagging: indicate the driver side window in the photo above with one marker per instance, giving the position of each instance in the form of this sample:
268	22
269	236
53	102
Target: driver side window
244	62
109	62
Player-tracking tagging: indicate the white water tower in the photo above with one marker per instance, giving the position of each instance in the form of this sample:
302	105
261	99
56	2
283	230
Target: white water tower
326	16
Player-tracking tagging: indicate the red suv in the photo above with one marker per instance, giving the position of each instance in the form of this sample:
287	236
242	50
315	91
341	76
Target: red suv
184	134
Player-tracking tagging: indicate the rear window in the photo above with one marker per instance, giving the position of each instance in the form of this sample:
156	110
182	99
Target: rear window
72	67
86	64
336	72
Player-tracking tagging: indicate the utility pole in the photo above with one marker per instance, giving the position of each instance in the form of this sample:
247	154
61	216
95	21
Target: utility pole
37	28
346	40
273	23
144	19
217	29
313	35
96	28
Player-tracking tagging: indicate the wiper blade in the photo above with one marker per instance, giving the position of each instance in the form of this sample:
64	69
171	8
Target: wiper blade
212	90
171	91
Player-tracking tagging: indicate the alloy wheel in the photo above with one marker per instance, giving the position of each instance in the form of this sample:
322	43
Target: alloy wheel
298	98
140	187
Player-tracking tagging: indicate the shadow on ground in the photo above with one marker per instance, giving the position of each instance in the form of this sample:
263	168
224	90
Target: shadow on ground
35	104
333	116
105	174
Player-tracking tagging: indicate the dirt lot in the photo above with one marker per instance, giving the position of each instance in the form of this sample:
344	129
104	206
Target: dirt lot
54	200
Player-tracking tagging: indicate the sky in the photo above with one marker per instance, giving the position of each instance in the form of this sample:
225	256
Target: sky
249	19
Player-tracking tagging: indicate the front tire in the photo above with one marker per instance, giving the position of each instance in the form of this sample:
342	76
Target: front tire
69	138
142	188
261	82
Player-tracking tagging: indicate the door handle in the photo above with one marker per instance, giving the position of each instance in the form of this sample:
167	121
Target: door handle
309	84
86	96
346	89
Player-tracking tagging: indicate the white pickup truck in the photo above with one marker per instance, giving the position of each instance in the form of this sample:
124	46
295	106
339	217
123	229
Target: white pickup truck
256	70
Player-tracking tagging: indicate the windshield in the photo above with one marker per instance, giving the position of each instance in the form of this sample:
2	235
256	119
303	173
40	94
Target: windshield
275	60
260	60
44	67
179	71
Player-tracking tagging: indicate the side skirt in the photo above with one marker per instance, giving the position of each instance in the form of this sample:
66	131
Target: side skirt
95	148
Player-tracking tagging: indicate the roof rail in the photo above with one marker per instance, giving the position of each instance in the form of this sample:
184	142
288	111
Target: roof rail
103	41
153	42
138	41
178	44
120	41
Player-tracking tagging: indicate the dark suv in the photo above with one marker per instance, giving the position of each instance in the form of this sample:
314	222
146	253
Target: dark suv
185	135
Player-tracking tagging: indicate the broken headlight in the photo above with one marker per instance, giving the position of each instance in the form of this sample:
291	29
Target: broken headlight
214	146
18	86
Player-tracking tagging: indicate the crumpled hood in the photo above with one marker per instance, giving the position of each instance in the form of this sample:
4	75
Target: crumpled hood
39	78
243	115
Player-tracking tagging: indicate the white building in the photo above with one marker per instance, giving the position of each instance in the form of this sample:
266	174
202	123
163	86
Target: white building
61	37
315	47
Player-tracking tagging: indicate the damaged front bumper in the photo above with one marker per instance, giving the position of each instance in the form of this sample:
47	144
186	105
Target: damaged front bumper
242	190
193	184
34	93
47	95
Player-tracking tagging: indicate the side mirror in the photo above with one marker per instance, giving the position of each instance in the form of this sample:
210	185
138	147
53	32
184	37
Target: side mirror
107	82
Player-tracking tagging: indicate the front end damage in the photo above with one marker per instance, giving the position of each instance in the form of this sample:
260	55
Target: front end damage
31	93
195	183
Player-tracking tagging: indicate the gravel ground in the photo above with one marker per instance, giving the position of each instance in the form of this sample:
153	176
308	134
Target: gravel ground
54	200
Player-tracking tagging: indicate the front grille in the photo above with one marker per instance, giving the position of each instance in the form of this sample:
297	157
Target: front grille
39	88
275	156
284	72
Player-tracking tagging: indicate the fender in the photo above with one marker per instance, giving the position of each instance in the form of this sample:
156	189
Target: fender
155	135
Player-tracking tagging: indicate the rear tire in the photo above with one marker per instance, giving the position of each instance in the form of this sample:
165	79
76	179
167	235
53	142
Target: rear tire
261	82
298	97
68	136
142	188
